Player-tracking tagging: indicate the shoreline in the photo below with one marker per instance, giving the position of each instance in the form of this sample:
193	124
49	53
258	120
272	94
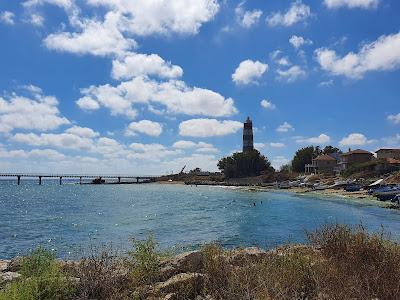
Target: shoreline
360	196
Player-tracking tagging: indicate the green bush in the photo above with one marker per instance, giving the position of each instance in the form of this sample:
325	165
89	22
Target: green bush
145	261
42	279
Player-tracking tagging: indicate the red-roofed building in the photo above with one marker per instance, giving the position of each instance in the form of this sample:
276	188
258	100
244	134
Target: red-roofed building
323	163
354	157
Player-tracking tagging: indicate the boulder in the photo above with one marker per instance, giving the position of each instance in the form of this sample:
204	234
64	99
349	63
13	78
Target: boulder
184	285
15	264
240	257
4	264
188	262
6	277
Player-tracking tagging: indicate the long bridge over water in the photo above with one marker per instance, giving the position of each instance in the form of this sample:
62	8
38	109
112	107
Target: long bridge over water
41	176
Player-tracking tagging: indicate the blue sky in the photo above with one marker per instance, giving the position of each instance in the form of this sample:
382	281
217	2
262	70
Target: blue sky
145	87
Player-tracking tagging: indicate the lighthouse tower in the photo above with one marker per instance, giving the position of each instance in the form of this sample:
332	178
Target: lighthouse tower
248	144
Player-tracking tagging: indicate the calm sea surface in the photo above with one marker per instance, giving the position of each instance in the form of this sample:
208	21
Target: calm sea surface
71	217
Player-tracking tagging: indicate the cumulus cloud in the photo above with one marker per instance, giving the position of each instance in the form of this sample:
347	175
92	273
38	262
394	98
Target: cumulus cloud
298	41
285	127
199	147
318	140
36	20
267	104
144	17
36	112
279	161
247	18
327	83
208	127
82	132
297	12
146	127
47	154
95	37
175	95
7	17
355	139
351	3
277	145
248	72
292	74
394	118
134	64
380	55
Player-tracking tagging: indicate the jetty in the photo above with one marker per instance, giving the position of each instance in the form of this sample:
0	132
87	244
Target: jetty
81	177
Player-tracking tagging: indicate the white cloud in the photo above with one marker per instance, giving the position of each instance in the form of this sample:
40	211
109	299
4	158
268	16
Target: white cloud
394	118
327	83
60	140
380	55
267	104
82	132
247	18
38	112
60	3
277	145
248	72
175	95
392	141
36	20
96	38
285	127
47	154
292	74
297	12
279	161
355	139
133	65
208	127
321	139
144	17
199	147
259	145
351	3
298	41
146	127
7	17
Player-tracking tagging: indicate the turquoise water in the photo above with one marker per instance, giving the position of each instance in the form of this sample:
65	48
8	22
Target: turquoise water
71	217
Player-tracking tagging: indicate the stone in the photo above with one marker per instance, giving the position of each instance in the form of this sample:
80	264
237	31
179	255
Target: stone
170	296
188	262
188	285
4	264
244	256
15	264
6	277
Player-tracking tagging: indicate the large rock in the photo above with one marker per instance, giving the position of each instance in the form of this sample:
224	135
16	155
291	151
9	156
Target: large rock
240	257
6	277
15	264
4	264
184	285
188	262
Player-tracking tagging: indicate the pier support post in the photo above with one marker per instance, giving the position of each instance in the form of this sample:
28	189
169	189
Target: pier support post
137	179
19	179
60	180
119	179
80	180
40	180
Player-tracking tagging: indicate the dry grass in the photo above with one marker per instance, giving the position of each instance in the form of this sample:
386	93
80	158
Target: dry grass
339	263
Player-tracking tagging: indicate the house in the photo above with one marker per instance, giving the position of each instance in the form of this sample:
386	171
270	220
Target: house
354	157
385	165
322	164
388	153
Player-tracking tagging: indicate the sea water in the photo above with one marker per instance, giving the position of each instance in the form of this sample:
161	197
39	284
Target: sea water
71	218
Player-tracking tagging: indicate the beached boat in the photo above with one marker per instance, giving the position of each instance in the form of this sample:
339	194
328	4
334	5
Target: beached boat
352	187
386	196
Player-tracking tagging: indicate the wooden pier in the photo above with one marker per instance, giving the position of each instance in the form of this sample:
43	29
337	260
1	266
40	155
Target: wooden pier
117	178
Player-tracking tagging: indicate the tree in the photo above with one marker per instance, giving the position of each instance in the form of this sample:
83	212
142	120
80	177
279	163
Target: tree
244	164
302	157
331	149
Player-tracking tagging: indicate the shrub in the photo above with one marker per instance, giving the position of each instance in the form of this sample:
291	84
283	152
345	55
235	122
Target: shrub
102	275
42	279
144	261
